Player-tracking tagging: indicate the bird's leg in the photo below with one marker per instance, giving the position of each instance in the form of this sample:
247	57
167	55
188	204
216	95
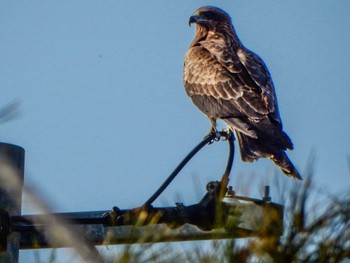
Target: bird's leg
213	125
212	129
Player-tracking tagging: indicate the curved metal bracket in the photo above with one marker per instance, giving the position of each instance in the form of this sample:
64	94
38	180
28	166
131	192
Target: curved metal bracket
209	139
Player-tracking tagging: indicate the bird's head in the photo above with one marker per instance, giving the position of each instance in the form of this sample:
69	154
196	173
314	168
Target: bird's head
210	18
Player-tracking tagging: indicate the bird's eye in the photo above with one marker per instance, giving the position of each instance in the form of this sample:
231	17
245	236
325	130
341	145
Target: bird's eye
207	14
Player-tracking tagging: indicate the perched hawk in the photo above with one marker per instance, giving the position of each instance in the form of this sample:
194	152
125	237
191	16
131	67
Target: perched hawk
227	81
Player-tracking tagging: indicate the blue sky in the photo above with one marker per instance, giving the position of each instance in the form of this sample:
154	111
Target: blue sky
104	116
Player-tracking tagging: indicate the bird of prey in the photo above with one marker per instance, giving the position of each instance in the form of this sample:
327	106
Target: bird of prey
227	81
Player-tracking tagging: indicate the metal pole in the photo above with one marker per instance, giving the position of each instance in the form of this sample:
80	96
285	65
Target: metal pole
11	184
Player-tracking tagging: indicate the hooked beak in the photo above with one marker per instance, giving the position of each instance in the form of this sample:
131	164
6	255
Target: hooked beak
197	20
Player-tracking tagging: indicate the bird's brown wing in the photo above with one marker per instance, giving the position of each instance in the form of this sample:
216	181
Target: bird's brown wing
219	93
245	100
259	73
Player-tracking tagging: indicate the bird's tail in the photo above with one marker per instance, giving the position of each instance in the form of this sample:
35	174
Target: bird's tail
252	149
282	161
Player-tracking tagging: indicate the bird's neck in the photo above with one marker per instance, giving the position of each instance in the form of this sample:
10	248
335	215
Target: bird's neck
229	33
232	39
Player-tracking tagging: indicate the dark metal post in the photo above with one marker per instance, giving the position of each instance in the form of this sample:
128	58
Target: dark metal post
11	184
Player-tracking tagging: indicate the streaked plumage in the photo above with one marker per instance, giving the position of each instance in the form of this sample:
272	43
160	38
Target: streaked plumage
227	81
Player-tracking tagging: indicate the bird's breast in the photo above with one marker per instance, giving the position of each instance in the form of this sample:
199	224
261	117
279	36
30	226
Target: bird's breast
201	67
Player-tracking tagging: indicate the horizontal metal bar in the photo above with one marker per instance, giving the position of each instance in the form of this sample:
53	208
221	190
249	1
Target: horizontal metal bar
243	219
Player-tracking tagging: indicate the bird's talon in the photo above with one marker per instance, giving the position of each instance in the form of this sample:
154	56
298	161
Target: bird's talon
227	134
210	134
